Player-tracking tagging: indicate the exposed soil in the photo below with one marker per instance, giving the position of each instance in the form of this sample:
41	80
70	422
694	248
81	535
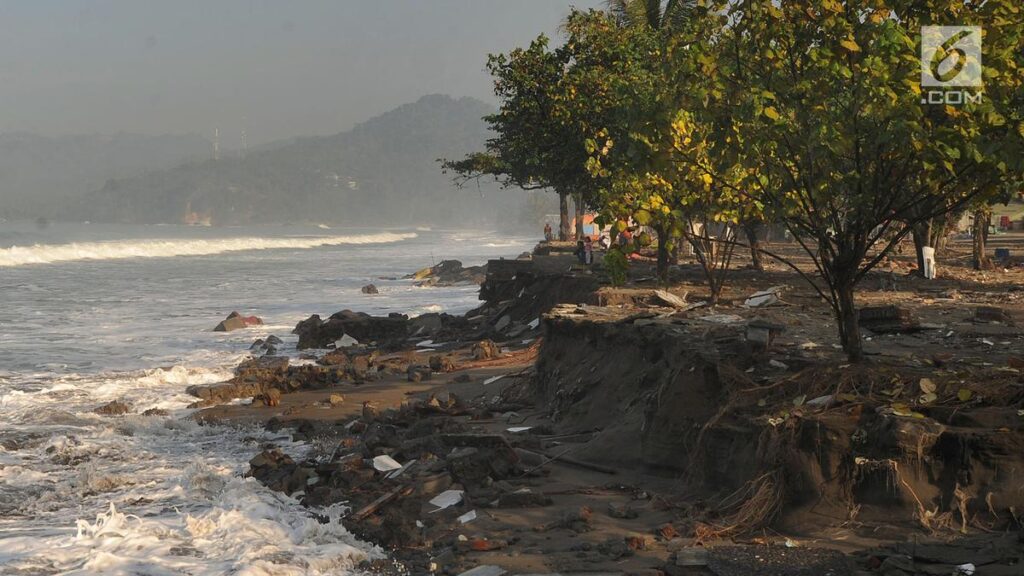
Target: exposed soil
609	431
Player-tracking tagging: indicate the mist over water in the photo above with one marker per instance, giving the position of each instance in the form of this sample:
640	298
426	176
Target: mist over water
96	313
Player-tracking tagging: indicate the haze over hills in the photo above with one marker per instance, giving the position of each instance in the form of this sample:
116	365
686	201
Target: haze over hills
383	171
44	176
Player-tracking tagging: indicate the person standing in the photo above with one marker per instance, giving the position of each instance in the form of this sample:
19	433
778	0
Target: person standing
588	251
547	232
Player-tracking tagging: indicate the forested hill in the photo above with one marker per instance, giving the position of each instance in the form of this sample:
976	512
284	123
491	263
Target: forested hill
384	171
43	176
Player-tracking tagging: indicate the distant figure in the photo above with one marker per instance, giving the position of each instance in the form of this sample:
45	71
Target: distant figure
604	242
580	252
588	251
624	238
547	232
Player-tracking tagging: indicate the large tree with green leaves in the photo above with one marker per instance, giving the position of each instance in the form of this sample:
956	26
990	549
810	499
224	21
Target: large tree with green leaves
826	108
537	144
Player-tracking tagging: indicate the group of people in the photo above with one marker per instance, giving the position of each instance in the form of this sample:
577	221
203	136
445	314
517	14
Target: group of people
585	247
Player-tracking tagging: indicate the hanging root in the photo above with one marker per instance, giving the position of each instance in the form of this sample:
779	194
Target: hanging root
753	506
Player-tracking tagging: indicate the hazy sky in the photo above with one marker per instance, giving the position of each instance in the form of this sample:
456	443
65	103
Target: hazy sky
278	68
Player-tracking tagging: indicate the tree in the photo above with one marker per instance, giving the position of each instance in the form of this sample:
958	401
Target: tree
827	114
536	143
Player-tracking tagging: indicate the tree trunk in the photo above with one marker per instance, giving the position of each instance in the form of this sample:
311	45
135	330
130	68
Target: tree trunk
921	233
751	229
563	216
577	199
663	254
849	326
982	217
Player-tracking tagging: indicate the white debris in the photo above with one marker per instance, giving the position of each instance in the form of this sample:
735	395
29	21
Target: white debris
447	499
820	401
534	324
764	297
670	299
467	517
385	463
721	318
518	429
776	364
965	569
493	379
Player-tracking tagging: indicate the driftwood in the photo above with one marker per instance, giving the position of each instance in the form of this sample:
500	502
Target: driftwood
379	502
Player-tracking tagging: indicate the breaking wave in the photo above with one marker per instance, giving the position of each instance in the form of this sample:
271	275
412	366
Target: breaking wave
119	250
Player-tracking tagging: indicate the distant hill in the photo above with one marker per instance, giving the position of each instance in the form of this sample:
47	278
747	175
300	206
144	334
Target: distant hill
384	171
45	176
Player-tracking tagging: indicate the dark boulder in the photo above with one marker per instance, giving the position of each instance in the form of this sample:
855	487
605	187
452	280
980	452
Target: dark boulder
369	289
316	333
113	408
236	321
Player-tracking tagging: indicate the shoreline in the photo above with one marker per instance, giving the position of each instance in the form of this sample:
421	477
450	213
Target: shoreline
570	493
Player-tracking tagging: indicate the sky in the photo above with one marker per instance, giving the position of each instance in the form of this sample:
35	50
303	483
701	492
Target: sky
272	68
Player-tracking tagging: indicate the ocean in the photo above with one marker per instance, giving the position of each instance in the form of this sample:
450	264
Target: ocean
91	313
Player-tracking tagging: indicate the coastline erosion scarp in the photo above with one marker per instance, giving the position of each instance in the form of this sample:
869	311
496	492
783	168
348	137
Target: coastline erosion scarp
564	426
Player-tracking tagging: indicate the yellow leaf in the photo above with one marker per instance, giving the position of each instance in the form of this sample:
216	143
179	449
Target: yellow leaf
964	394
707	179
771	112
850	45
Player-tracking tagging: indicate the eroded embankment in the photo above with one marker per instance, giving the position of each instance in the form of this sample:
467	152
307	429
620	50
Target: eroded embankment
825	444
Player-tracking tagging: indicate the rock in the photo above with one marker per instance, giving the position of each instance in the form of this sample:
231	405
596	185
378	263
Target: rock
370	411
236	321
316	333
336	400
113	408
155	412
440	363
889	319
992	314
485	350
264	368
449	272
369	289
271	397
419	373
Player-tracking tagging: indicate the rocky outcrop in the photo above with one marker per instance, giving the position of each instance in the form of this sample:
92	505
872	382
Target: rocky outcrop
316	333
113	408
449	273
236	321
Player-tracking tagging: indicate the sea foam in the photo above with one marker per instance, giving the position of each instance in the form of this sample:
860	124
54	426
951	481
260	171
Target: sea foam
123	249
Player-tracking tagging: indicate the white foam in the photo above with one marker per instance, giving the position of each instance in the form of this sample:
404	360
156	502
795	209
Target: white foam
123	249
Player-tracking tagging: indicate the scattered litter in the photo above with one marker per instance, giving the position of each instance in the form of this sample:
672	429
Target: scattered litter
485	570
820	401
493	379
400	471
385	463
988	342
808	346
790	543
447	499
965	569
467	517
534	323
518	429
420	524
776	364
764	297
427	344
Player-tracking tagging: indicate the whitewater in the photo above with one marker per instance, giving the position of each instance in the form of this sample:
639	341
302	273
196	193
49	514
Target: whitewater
97	313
